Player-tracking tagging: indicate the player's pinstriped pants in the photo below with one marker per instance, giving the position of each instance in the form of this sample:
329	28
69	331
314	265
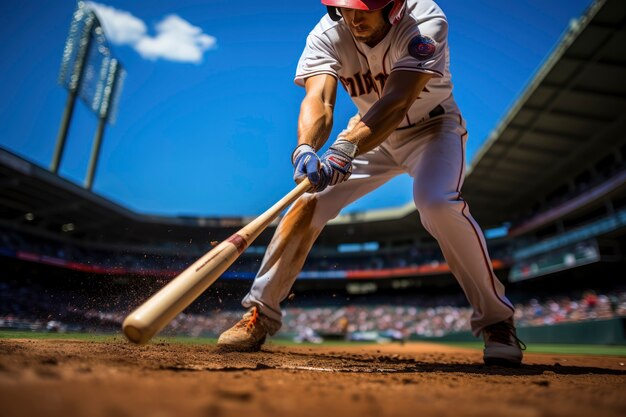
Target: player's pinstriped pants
433	153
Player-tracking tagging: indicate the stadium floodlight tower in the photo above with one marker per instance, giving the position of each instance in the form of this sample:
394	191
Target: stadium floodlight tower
89	71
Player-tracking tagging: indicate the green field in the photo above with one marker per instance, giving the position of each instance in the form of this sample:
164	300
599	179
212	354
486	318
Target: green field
97	337
94	337
559	349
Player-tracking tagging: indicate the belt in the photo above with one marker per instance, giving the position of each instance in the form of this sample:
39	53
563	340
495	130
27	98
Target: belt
437	111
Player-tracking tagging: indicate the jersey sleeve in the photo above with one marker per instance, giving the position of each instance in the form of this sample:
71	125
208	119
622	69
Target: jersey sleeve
317	58
423	47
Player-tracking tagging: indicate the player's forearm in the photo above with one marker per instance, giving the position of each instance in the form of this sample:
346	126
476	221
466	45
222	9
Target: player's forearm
379	122
315	122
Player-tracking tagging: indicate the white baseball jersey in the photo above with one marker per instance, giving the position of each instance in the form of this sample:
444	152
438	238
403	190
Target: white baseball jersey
419	42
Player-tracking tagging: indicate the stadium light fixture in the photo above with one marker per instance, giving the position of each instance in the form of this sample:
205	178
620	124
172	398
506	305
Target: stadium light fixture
89	71
68	227
29	217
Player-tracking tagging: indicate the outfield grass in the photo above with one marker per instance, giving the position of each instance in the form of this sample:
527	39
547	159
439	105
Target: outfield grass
25	334
613	350
98	337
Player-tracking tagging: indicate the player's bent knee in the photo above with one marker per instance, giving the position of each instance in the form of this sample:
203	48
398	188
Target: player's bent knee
436	205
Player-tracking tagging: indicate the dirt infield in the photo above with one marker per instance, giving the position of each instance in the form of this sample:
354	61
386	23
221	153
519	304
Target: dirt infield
77	378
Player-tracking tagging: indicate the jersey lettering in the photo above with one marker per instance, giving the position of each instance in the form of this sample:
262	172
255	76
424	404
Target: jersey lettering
359	82
348	84
363	83
381	78
369	82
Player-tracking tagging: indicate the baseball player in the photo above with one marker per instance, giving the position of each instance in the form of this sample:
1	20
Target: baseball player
392	58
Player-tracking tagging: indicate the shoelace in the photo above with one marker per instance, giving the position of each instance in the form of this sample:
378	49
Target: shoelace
253	319
502	332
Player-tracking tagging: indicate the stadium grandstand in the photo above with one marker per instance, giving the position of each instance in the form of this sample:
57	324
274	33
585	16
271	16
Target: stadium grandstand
548	186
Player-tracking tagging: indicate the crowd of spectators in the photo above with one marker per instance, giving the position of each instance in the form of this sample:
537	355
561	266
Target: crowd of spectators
407	320
590	306
157	260
444	319
61	310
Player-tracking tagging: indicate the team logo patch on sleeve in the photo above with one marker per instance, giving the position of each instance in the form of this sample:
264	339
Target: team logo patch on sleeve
422	47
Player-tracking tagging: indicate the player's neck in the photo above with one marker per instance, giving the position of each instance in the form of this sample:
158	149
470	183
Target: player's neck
378	37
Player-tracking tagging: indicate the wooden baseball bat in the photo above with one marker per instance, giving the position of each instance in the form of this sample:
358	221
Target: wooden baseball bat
153	315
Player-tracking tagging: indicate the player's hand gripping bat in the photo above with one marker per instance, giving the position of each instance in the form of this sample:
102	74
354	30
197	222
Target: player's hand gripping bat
167	303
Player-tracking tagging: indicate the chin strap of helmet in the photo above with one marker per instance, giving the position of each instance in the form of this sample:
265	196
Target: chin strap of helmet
334	14
387	10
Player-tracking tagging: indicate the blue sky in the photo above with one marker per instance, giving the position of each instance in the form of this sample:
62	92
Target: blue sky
207	118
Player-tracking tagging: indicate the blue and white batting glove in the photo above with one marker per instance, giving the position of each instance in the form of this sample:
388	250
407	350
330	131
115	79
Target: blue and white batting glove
306	164
337	161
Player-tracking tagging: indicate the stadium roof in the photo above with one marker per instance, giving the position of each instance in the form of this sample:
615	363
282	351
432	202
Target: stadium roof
570	114
32	197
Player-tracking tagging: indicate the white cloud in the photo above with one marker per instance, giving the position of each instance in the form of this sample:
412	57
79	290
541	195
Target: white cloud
120	27
176	39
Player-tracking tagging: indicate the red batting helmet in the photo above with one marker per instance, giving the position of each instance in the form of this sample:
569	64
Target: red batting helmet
396	7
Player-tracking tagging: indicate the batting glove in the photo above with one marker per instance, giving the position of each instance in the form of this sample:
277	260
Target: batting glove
337	161
307	164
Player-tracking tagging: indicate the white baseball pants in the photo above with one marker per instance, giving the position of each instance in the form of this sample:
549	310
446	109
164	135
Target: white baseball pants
433	154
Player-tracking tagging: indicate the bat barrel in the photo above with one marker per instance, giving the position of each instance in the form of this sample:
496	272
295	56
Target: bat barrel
153	315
